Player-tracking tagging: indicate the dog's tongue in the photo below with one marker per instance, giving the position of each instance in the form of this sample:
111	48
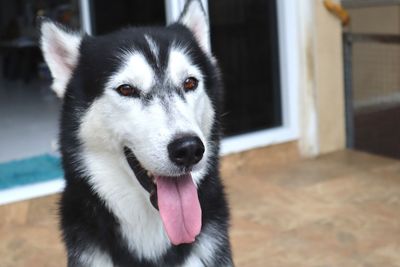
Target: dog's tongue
179	208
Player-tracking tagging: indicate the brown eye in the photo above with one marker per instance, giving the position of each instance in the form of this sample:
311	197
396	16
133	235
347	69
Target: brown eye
190	84
128	90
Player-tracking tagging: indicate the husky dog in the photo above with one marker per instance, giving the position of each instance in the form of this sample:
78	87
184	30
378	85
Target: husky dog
139	137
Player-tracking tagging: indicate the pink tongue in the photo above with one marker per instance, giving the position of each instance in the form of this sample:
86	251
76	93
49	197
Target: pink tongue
179	208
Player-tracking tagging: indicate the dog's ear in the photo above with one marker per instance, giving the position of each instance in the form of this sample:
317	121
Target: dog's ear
195	18
60	49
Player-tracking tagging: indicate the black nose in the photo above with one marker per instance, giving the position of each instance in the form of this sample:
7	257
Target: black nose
186	151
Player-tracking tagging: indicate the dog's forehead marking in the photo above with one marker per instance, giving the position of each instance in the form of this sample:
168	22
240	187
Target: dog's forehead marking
154	48
181	66
135	70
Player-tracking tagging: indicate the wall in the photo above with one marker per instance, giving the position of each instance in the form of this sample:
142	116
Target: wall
329	80
322	116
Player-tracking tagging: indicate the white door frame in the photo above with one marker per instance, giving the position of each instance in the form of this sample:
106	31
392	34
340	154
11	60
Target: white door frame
85	16
289	78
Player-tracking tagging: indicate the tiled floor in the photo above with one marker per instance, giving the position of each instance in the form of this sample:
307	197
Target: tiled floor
339	210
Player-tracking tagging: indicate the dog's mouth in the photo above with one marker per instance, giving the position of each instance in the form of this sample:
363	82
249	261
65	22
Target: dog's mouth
145	178
175	197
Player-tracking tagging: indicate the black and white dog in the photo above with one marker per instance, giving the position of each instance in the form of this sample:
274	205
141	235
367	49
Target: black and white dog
140	132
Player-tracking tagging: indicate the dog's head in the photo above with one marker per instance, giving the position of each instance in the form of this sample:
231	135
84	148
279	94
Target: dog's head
149	94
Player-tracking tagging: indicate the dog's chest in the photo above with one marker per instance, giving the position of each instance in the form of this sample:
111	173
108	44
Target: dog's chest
145	237
151	243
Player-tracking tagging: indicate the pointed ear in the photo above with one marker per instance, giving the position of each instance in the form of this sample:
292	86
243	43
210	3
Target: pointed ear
195	18
61	51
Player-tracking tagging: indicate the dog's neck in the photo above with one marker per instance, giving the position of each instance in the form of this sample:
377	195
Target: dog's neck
112	179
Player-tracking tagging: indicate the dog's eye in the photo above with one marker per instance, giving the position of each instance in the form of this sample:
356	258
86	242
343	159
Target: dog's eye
128	90
190	84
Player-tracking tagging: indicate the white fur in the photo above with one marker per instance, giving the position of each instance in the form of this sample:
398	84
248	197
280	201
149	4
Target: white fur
135	71
196	20
155	50
93	257
180	66
61	52
193	261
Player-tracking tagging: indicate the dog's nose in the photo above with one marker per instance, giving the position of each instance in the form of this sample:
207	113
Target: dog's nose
186	151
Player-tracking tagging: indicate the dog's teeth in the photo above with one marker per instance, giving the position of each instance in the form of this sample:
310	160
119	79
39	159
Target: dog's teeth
149	173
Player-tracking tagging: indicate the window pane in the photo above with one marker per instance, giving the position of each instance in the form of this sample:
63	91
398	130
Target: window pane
122	13
245	41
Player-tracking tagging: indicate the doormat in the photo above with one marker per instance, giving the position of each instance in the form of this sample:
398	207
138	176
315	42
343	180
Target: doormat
28	171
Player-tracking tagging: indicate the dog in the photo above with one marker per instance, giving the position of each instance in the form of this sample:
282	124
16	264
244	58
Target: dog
139	138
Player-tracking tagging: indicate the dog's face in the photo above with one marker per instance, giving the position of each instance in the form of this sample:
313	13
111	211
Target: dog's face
157	107
146	94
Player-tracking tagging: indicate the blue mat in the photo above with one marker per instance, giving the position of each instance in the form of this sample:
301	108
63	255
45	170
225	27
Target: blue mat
28	171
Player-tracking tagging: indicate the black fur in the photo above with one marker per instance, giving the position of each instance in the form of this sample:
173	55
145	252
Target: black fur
85	220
